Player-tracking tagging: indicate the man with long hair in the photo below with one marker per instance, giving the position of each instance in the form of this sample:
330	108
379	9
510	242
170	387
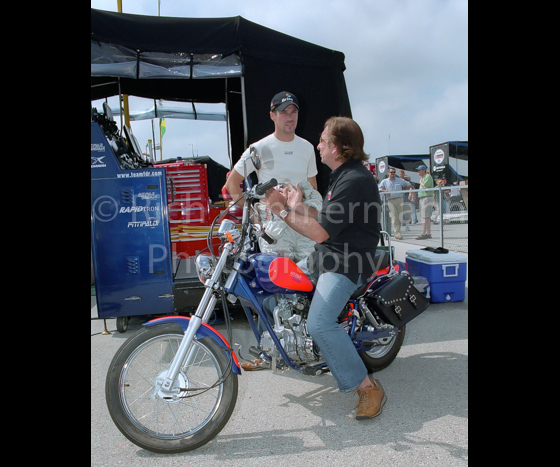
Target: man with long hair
346	232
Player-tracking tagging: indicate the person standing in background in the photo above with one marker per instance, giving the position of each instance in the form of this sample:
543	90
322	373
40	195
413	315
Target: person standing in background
426	201
395	200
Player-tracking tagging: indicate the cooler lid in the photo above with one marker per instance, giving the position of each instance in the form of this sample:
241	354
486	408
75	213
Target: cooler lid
436	258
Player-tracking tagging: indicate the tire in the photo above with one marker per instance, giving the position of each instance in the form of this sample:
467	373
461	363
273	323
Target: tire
122	323
169	426
381	356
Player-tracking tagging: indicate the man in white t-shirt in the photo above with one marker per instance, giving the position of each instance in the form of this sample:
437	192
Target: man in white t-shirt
284	155
287	158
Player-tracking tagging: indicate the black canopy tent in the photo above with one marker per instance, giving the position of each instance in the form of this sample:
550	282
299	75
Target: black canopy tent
212	60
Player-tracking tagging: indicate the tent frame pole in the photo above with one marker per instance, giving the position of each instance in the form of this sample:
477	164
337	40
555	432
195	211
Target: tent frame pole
244	107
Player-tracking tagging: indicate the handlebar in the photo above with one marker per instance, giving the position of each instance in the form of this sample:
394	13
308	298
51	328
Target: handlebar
227	228
262	188
267	239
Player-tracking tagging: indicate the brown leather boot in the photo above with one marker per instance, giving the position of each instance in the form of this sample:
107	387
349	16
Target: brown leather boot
258	364
372	400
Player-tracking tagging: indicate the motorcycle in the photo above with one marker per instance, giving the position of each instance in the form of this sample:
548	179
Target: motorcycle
173	385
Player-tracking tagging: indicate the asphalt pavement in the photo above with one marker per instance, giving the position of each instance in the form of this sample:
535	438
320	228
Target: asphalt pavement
286	418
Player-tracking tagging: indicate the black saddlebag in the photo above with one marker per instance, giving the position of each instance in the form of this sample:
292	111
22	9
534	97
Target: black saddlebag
397	301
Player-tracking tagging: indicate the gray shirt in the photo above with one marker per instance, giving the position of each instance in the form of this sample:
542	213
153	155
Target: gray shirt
397	184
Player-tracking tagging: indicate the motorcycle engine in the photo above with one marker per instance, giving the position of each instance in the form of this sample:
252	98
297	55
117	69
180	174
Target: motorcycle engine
290	315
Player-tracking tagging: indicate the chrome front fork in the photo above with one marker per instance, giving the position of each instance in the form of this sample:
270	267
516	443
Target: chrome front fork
202	315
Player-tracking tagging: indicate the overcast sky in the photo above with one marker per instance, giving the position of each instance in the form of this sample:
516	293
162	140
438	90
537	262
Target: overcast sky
406	67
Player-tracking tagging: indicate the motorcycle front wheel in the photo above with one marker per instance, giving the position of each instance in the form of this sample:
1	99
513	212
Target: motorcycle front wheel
381	356
162	424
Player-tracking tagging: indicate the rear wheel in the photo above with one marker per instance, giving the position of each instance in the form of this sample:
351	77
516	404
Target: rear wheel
149	417
381	356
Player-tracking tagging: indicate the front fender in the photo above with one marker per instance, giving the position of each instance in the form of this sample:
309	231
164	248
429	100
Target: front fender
203	331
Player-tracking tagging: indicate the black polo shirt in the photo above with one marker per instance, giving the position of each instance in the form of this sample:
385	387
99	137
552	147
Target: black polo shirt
350	215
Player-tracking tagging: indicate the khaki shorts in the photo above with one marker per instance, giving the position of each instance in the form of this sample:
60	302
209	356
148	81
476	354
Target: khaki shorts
426	204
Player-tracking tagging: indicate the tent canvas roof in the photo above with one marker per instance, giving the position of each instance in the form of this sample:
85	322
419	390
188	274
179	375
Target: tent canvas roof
203	59
207	35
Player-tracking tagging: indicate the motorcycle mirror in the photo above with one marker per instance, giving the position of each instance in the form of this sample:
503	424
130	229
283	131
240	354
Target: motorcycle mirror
255	157
255	160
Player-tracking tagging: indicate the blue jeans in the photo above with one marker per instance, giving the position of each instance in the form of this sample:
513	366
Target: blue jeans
331	294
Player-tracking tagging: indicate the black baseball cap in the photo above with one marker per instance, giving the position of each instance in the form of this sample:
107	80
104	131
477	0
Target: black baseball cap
282	100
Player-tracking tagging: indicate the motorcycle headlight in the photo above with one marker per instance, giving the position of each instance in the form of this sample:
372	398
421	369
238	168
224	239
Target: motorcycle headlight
204	267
